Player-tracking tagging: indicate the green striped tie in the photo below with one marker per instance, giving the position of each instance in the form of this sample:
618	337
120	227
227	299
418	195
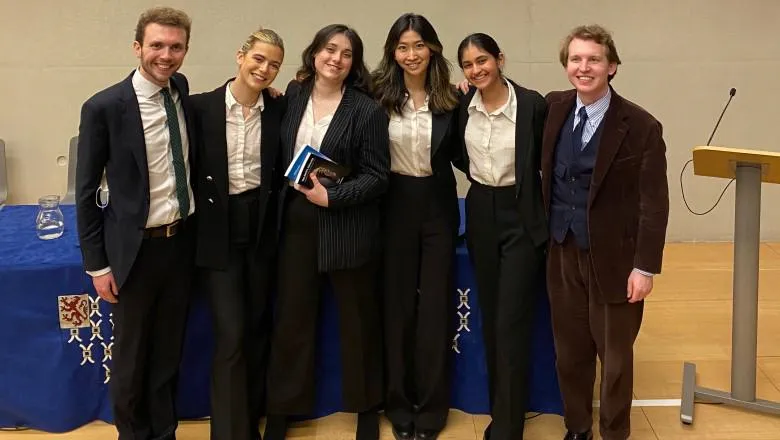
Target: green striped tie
182	194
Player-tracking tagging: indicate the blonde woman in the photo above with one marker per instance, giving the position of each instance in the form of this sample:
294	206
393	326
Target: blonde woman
239	126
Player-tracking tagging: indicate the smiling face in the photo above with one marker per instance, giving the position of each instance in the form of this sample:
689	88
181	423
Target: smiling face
161	53
589	69
412	54
480	67
334	61
258	67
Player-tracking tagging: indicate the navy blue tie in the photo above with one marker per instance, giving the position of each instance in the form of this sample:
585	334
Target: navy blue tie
576	135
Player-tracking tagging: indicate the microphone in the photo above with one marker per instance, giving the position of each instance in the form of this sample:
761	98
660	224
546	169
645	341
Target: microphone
732	92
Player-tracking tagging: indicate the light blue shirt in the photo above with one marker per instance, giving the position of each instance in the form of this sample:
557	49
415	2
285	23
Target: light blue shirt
595	111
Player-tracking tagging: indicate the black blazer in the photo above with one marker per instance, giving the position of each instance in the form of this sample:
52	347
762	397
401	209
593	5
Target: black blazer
529	127
111	136
445	146
350	228
212	186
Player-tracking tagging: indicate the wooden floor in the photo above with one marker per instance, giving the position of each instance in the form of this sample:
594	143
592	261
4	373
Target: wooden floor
687	318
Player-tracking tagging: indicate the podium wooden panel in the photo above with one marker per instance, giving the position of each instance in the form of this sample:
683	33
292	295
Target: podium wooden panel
750	168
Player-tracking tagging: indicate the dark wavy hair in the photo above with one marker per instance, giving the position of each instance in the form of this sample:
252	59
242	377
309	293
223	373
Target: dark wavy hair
388	78
358	76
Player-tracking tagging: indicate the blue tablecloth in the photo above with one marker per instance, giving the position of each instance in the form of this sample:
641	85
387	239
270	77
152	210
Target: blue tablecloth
54	370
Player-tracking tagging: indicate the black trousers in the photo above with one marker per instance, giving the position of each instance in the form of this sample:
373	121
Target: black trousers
508	268
418	288
239	299
149	324
291	371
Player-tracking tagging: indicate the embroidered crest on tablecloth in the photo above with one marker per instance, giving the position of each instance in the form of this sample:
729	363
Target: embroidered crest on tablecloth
463	318
79	312
74	311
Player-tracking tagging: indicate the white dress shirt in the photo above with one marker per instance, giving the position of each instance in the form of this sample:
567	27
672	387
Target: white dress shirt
309	132
243	143
410	140
163	204
490	141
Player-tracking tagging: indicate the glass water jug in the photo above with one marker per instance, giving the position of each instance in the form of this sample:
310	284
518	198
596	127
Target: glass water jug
49	224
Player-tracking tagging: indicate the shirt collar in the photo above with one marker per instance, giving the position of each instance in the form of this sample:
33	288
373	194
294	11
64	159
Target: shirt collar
230	100
409	104
597	109
509	109
145	88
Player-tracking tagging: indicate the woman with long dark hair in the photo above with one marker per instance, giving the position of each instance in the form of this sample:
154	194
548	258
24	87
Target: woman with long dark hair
501	125
330	234
412	83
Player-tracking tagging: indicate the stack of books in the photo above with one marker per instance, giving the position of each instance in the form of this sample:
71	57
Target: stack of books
309	160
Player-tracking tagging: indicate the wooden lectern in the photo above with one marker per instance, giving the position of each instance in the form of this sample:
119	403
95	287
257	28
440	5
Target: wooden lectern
750	168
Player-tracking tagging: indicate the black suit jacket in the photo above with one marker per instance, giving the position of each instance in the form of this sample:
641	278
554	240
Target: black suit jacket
529	127
212	186
111	137
350	228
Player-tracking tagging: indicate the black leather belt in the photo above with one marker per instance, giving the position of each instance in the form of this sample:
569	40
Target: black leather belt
164	231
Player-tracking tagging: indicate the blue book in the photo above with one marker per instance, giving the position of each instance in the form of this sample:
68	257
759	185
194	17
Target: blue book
310	160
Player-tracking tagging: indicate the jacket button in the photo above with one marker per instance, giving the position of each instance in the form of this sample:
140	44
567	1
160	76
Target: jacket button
209	178
211	201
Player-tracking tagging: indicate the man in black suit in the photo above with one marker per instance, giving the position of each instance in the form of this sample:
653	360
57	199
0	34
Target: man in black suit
139	248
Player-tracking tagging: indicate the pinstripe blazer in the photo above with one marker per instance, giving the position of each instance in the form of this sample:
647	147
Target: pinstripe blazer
350	228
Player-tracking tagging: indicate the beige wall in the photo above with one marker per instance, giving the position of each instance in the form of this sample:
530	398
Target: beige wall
680	58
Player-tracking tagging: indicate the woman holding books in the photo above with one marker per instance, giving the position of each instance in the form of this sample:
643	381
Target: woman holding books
501	126
237	226
330	234
412	84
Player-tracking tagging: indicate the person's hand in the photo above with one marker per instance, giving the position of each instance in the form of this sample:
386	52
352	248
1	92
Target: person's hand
639	286
274	92
463	86
105	286
317	194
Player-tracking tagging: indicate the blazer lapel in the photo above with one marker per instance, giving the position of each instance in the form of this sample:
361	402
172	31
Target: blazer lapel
296	106
441	122
269	138
339	124
556	117
133	128
557	112
524	140
463	121
612	135
215	139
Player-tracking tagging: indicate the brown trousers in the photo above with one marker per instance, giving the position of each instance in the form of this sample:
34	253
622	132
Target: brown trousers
584	327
